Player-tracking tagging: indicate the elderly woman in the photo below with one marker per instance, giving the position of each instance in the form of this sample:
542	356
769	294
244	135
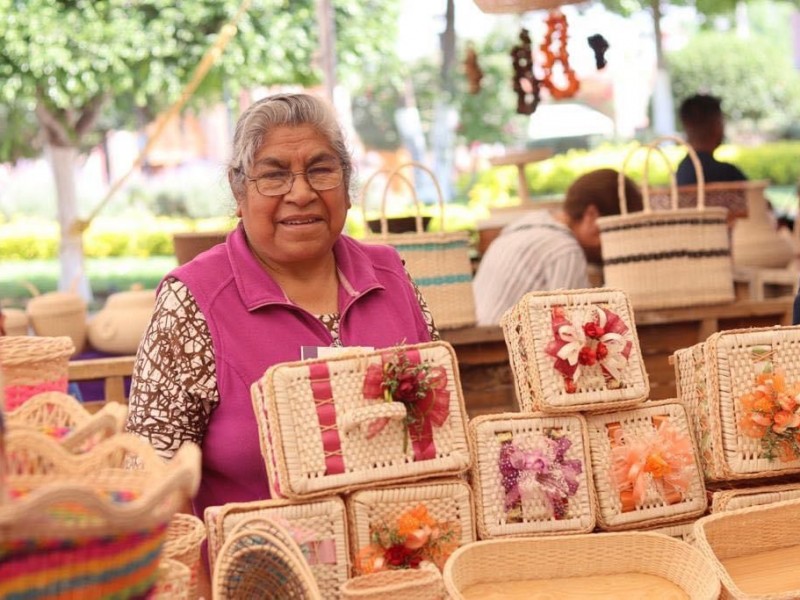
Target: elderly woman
285	278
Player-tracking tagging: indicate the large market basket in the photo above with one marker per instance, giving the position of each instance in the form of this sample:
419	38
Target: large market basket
318	526
438	261
754	550
64	418
739	387
574	350
668	258
531	475
33	364
624	565
81	525
343	423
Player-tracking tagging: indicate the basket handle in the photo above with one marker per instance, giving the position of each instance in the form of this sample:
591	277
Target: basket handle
364	415
395	173
698	168
363	199
623	199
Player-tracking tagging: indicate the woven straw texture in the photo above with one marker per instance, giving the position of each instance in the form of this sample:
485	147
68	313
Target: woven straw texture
83	526
447	501
545	334
713	377
519	6
61	416
408	584
659	503
733	499
260	560
682	531
731	195
499	561
438	261
534	512
749	533
319	527
668	258
33	364
185	535
174	581
295	408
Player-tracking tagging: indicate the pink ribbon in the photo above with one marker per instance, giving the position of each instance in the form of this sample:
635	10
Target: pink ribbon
316	552
326	415
427	412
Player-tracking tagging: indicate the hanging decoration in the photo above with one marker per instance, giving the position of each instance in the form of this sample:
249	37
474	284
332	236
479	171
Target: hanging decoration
473	70
554	50
599	46
526	85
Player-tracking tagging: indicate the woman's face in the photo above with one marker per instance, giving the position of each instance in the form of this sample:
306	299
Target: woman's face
301	225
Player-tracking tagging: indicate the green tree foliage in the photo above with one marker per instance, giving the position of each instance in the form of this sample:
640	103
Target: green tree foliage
753	76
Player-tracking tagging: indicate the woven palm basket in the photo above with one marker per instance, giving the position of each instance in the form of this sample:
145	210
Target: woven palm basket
409	584
61	416
523	467
715	379
668	258
260	560
732	499
518	568
653	449
174	581
33	364
319	527
317	424
439	262
754	550
559	367
447	502
83	525
185	536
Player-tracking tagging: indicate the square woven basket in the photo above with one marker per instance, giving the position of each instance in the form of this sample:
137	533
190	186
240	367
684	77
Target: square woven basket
326	425
645	467
732	499
738	387
575	350
754	550
610	565
319	527
442	508
530	475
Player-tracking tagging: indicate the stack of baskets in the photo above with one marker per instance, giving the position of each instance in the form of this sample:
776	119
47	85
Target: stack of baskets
742	390
587	450
364	453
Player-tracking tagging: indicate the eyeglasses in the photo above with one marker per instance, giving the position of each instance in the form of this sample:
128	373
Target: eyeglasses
319	177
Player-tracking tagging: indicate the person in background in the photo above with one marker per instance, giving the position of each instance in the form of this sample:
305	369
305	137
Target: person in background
549	250
285	278
704	125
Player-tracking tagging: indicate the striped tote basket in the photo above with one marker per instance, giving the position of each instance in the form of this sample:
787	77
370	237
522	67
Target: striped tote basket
668	258
438	262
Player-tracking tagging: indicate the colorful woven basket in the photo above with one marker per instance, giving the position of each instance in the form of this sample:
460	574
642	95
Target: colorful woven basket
531	475
739	388
575	350
439	262
409	526
33	364
645	467
619	564
81	526
408	584
754	550
319	527
668	258
261	560
64	418
326	425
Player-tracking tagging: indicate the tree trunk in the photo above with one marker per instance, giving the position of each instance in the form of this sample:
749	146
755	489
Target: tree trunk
73	274
663	109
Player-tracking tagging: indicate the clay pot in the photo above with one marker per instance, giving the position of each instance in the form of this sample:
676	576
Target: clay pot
119	326
59	314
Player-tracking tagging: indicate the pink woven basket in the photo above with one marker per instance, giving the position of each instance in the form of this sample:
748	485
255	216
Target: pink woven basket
32	365
326	425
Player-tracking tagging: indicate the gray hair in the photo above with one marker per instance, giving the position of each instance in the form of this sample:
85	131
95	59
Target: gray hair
278	111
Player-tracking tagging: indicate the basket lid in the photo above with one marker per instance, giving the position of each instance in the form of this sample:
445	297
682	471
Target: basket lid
56	303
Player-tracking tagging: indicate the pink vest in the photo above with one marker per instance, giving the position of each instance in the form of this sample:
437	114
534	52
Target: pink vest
253	326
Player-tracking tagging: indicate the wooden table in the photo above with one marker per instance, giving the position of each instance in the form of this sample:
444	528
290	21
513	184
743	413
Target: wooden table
486	375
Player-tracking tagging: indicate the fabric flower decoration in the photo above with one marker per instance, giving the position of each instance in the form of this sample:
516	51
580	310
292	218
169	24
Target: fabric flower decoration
771	413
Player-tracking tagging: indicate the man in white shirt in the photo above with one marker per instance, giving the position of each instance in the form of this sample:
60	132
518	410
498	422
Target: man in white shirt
549	250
